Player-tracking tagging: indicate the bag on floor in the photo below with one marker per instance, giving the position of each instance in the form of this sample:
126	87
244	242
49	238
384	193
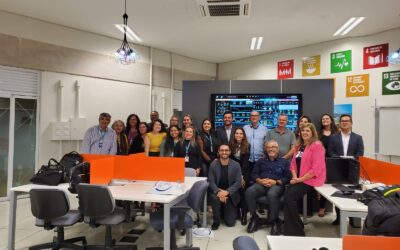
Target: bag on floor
51	174
79	174
68	161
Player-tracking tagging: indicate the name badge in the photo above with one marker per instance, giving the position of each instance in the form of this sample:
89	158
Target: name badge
186	158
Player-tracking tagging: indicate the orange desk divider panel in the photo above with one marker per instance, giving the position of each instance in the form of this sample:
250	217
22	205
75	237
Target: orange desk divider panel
358	242
379	171
103	168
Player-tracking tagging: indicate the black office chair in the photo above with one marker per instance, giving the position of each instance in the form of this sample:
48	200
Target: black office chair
195	200
51	209
98	208
245	243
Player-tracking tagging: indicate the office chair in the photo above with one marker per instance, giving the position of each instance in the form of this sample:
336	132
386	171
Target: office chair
245	243
98	208
190	172
195	200
51	209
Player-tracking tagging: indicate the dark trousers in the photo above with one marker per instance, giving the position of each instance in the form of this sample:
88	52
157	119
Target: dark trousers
227	210
273	194
293	225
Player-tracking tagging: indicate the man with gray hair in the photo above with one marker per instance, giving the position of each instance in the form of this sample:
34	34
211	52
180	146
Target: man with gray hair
270	174
285	138
100	139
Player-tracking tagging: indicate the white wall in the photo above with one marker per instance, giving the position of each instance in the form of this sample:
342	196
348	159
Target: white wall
265	67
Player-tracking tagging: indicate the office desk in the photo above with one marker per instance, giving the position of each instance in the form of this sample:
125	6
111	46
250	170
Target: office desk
348	207
302	243
130	192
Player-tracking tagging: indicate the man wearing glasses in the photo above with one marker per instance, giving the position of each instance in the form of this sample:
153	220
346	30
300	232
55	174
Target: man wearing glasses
270	174
225	179
345	143
100	139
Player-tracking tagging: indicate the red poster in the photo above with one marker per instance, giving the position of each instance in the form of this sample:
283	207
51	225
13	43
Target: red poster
285	69
376	56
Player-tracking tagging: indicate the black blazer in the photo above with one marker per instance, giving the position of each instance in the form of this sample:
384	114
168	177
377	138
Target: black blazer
355	148
221	133
234	179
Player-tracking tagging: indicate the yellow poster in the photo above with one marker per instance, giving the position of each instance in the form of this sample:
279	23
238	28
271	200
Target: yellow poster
311	66
357	85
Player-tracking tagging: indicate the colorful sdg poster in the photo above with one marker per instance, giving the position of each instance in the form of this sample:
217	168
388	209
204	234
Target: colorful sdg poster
341	61
391	83
341	109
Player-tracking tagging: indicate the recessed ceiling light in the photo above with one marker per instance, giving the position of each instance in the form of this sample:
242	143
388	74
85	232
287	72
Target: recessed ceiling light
349	25
129	33
256	42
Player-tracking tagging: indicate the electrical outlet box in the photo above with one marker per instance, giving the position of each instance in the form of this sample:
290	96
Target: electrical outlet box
60	131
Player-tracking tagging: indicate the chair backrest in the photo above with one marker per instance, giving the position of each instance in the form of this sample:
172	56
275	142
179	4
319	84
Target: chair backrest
48	204
197	194
245	243
95	200
190	172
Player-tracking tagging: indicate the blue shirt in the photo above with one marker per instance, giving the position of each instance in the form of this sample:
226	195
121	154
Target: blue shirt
277	169
255	137
99	142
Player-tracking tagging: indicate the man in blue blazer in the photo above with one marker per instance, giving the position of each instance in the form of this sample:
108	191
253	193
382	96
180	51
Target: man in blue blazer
226	132
345	143
225	179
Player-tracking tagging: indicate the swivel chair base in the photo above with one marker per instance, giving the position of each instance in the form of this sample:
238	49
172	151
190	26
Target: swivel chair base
60	242
110	243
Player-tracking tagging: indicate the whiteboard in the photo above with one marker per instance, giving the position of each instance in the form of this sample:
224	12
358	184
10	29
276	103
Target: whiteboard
389	131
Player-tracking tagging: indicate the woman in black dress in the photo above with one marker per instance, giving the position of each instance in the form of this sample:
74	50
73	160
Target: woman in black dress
208	144
137	145
132	129
168	145
188	149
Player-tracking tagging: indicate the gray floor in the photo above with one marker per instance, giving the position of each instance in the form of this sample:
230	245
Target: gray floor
27	234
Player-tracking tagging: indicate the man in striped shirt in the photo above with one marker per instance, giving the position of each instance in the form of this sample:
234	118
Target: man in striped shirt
100	139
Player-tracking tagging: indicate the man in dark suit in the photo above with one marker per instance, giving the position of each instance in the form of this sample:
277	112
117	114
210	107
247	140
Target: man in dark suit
226	132
225	179
345	143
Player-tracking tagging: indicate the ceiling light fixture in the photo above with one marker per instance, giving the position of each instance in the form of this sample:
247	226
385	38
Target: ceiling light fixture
256	43
125	54
349	25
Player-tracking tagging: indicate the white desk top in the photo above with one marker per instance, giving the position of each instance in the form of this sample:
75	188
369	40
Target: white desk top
342	203
133	191
302	243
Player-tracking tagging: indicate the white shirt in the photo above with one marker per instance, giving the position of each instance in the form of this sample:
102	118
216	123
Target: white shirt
228	132
345	139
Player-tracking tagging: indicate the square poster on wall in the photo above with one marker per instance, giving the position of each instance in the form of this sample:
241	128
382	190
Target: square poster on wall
391	83
285	69
357	85
376	56
341	109
341	61
311	66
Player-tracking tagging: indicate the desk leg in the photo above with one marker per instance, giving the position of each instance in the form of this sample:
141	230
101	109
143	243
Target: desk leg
204	224
343	223
167	228
12	220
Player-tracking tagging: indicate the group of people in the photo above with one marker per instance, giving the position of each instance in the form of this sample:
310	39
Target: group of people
241	163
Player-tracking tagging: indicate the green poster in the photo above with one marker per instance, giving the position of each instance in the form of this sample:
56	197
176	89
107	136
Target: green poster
341	61
391	83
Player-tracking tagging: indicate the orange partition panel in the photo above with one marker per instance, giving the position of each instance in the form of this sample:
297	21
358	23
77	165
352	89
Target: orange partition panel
140	167
379	171
357	242
102	170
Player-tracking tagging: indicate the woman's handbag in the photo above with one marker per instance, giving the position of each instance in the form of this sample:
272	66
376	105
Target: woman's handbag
51	174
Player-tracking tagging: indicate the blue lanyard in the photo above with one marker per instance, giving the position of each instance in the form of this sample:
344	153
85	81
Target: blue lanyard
187	148
209	137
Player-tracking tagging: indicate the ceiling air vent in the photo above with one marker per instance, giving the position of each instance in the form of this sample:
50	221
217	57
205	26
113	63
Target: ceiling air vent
224	8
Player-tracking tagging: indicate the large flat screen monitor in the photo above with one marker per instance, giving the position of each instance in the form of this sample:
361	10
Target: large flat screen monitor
342	171
268	105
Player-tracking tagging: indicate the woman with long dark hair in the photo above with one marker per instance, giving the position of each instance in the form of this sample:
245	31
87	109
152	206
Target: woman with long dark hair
240	152
300	123
137	145
168	145
153	140
132	128
208	144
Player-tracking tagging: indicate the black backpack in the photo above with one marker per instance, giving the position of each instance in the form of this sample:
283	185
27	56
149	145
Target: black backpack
79	174
68	161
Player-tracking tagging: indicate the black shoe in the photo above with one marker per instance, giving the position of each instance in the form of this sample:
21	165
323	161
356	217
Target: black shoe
253	224
182	231
336	222
215	225
276	228
243	218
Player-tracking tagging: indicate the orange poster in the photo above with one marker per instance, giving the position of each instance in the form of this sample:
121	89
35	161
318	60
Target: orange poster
311	66
357	85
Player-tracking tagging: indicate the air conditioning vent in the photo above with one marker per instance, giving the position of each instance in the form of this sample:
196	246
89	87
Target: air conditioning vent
224	8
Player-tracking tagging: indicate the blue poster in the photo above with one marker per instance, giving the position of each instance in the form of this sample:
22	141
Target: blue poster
341	109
